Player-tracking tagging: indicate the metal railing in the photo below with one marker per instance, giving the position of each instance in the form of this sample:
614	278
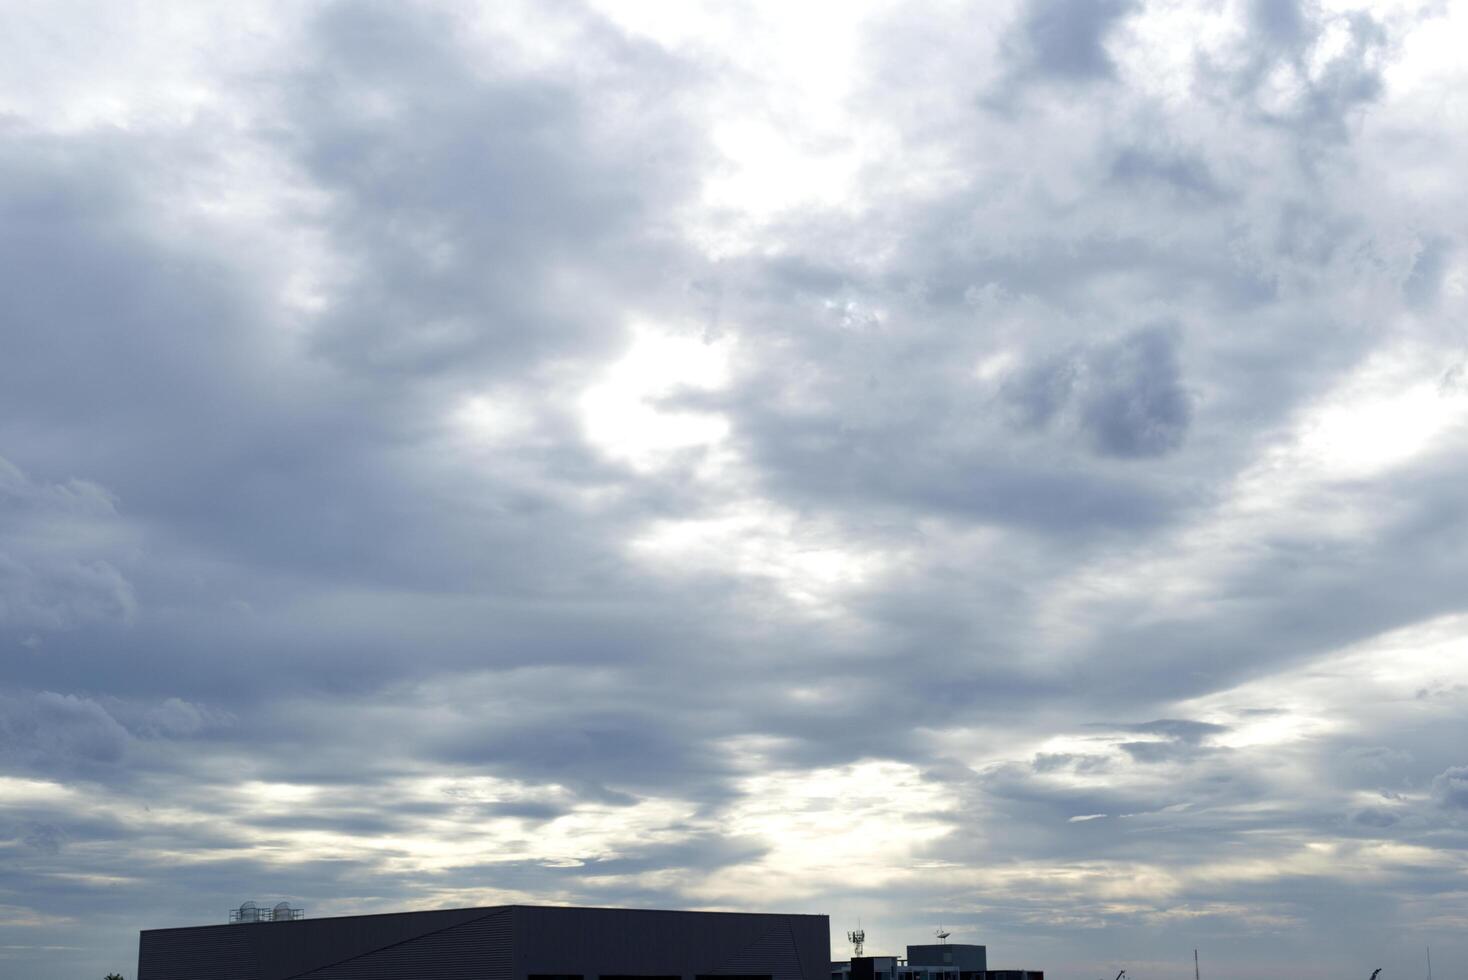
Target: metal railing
250	912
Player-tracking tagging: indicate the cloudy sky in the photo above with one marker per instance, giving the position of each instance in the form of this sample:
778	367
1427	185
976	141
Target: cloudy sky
989	464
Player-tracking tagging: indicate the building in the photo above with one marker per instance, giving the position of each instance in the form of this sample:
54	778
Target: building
946	961
956	961
942	961
508	942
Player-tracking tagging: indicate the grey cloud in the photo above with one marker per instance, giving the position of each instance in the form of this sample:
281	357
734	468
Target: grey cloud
44	838
1127	396
889	418
1280	23
1376	760
61	731
1283	38
511	183
1374	818
177	717
527	809
699	851
58	545
335	592
1146	817
1062	761
1041	391
369	822
1137	406
590	750
1154	752
57	595
1187	176
1425	279
1180	729
101	739
1065	39
1450	788
467	195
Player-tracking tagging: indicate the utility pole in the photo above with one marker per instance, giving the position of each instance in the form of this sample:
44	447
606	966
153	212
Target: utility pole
1195	966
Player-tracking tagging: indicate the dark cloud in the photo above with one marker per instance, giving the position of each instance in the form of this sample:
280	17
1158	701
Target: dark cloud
1138	406
1127	396
1066	39
1152	752
1186	176
1294	73
1038	393
61	732
528	809
59	554
463	199
1450	788
1282	24
1374	818
44	838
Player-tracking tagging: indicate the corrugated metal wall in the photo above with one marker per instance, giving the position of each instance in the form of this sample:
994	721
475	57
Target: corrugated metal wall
774	954
278	950
215	953
293	951
592	942
478	950
497	943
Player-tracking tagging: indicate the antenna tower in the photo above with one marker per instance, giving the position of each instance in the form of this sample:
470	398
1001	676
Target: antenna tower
857	937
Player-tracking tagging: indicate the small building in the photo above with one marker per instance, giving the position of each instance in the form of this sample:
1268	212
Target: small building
507	942
934	961
960	961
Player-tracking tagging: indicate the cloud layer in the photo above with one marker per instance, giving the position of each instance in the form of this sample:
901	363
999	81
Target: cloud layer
989	465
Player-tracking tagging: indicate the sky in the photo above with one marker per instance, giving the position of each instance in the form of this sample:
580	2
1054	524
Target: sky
992	465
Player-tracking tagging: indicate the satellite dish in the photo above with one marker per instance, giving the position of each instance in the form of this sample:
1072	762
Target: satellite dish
942	934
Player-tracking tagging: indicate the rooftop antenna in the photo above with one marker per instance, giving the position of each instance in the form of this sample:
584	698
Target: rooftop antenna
1123	973
1195	966
1429	963
943	935
1375	972
858	936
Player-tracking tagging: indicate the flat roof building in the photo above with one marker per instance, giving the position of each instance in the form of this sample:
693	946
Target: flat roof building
506	942
932	961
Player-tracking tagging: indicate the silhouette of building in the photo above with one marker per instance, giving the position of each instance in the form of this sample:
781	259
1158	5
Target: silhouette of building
944	961
508	942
